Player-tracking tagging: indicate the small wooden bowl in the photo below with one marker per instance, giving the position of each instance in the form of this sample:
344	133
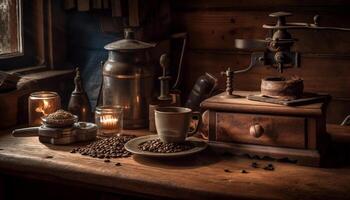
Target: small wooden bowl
281	88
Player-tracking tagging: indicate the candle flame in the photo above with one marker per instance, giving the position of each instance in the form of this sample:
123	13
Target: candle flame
109	121
43	108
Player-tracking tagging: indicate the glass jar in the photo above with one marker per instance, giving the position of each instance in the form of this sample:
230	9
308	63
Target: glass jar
109	120
41	104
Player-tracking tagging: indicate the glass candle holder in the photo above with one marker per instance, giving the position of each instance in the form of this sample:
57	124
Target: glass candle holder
41	104
109	120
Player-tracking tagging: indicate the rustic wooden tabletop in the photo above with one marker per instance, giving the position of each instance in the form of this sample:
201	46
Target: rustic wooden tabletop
199	177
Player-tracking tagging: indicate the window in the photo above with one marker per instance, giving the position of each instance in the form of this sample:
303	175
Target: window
10	28
25	33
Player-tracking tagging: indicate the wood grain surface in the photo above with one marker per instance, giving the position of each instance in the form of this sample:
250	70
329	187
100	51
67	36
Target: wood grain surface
198	177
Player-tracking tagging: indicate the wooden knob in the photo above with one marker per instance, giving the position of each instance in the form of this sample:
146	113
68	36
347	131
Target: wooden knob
256	130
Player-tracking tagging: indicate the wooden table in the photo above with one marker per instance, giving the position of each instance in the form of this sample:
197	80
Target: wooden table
198	177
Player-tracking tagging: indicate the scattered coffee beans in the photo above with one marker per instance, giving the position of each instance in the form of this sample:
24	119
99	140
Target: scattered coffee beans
269	167
158	146
254	165
106	148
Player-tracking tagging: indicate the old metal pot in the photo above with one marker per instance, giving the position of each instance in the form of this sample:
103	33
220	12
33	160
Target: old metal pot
128	79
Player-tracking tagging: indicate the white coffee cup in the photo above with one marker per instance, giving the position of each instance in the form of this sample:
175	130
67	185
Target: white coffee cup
173	123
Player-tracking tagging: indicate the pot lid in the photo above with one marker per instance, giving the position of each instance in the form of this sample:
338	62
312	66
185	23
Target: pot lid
129	43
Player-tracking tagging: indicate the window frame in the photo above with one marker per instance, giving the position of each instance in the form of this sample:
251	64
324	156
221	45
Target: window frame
20	34
41	39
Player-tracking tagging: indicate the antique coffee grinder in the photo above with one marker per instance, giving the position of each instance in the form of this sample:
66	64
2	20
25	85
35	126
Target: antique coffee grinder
275	51
128	79
279	121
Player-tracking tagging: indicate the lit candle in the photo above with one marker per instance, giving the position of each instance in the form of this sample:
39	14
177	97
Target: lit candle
109	120
41	104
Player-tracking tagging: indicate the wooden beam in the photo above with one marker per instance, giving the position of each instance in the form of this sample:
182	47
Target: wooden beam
83	5
134	13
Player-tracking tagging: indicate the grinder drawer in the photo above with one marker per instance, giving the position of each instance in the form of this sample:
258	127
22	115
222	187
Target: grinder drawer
268	130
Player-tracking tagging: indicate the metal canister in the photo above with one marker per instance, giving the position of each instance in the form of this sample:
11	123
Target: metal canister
128	79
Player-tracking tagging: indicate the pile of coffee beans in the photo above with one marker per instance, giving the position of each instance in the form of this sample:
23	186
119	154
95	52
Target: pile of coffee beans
157	146
106	148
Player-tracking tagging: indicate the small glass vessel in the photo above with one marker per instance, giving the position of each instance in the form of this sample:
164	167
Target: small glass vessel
109	120
40	104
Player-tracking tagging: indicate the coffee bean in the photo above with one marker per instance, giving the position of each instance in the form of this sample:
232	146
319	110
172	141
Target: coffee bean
118	164
107	148
227	171
269	167
158	146
243	171
107	160
254	165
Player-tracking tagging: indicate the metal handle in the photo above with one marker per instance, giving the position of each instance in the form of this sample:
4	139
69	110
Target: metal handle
282	24
346	121
280	14
256	130
26	132
184	43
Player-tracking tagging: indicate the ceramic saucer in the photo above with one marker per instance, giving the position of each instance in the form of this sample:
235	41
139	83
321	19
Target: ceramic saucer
133	147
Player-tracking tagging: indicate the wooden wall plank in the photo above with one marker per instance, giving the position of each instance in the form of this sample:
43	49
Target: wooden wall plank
219	29
212	26
116	8
261	5
69	4
83	5
97	4
134	20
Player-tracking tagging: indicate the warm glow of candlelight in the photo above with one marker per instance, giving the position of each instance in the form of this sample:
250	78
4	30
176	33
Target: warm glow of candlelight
41	104
109	121
44	107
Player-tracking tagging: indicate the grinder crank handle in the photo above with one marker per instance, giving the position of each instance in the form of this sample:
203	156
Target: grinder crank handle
282	24
26	132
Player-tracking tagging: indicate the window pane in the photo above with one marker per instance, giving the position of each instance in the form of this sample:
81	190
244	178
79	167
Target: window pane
10	28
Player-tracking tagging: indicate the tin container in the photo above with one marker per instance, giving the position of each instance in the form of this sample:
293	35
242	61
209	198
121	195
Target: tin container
128	79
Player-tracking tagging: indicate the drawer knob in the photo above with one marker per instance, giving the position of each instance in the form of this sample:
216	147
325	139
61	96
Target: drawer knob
256	130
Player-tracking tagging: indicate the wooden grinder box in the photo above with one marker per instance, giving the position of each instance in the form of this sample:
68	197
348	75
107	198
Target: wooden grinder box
242	126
